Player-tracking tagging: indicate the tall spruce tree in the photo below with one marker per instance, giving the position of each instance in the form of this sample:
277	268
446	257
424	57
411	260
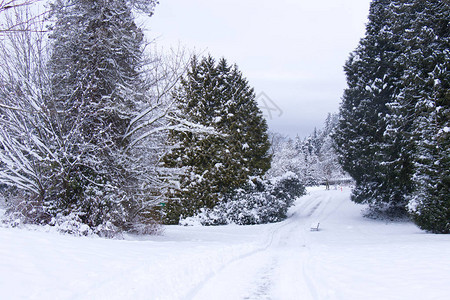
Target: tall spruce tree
393	133
96	91
427	95
374	79
216	95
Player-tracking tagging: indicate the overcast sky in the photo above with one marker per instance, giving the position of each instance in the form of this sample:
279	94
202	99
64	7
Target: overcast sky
291	51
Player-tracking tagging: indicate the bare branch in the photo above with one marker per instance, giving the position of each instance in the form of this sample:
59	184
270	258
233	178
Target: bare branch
11	7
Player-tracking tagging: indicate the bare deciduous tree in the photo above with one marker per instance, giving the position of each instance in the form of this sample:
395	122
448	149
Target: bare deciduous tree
9	8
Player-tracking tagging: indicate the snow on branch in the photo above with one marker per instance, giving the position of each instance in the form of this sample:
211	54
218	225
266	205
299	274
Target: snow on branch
181	125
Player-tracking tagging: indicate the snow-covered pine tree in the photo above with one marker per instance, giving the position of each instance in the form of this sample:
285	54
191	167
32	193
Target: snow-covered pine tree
216	95
427	95
96	91
374	73
329	168
402	153
395	153
309	149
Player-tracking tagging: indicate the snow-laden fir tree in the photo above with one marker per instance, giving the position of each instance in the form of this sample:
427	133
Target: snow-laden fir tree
96	92
329	169
427	96
368	151
216	95
393	132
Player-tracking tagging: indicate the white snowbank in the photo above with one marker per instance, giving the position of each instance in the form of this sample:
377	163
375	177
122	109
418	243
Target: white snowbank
350	257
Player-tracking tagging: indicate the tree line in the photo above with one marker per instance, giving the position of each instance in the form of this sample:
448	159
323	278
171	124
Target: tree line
313	159
100	134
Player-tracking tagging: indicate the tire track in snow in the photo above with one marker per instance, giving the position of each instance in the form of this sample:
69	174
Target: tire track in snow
307	209
315	208
264	283
277	236
312	207
269	242
309	282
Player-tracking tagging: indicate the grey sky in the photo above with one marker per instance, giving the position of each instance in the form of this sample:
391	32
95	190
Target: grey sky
292	50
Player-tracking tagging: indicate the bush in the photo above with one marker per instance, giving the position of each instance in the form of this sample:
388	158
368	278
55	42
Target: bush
288	187
71	224
21	208
261	201
94	217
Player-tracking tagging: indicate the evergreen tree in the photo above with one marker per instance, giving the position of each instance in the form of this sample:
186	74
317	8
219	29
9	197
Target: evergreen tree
427	95
219	97
373	158
96	92
393	133
329	167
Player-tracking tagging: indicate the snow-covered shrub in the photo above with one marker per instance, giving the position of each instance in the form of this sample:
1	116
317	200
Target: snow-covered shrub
108	230
95	211
255	208
206	217
261	201
149	228
71	224
287	187
20	210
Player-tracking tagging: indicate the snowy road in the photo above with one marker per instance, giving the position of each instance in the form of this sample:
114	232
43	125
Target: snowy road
285	267
279	266
350	257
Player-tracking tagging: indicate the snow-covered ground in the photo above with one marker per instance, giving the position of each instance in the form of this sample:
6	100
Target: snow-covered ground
350	257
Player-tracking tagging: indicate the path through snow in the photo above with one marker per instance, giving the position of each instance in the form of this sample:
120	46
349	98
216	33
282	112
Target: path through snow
350	257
